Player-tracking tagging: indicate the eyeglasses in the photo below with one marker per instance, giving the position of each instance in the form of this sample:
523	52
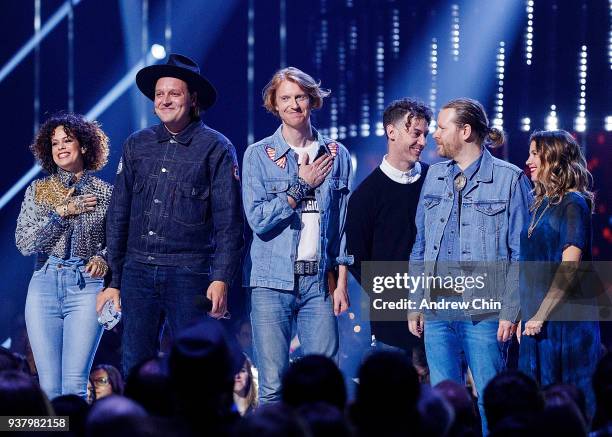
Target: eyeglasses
103	380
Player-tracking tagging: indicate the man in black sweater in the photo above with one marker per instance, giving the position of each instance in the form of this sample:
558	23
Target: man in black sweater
380	220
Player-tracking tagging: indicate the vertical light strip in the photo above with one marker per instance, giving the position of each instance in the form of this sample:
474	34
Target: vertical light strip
144	49
251	73
529	32
433	92
580	121
552	121
498	120
283	33
37	22
365	115
70	58
395	32
455	31
333	117
168	27
610	36
525	124
353	37
380	84
342	89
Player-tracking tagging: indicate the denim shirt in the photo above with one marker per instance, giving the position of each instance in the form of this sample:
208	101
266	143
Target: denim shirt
269	168
177	202
495	206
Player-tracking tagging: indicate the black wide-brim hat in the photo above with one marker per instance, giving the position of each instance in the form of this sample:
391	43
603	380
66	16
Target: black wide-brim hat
180	67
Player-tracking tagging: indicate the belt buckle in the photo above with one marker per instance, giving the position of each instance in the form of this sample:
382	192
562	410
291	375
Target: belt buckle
307	268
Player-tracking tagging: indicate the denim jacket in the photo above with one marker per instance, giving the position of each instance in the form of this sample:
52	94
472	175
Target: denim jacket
495	206
177	202
268	170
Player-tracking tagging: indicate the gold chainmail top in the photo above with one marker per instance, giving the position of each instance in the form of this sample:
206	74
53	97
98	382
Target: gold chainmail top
50	191
41	230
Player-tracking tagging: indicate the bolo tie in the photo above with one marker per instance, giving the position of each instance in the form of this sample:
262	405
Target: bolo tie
460	183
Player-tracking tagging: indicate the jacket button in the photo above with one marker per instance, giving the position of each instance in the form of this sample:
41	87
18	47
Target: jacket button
435	247
442	220
151	233
150	258
164	170
156	201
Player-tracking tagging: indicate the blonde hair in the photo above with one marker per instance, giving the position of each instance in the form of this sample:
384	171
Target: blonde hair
297	76
470	111
563	168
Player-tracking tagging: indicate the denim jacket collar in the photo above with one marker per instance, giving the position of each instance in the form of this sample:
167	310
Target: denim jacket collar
183	137
484	172
281	147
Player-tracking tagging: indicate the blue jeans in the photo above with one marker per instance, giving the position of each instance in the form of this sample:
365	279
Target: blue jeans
272	314
445	340
149	292
62	324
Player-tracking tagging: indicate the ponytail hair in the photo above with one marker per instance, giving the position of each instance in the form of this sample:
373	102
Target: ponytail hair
470	111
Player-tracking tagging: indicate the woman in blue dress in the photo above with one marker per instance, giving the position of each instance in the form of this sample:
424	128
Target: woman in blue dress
560	341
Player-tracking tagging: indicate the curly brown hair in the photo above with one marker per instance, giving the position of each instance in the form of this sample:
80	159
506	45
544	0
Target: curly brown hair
88	133
563	168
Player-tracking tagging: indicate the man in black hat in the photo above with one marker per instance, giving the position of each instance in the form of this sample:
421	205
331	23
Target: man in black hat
175	226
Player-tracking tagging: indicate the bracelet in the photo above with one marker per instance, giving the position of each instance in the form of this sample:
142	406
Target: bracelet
299	190
99	262
63	210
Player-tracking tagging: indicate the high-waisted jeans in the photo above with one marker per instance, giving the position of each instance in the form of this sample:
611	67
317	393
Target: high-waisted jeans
62	325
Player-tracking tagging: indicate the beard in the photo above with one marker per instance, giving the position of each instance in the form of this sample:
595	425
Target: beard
447	151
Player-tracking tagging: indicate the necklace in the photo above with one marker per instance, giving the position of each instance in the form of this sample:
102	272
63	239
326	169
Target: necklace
533	225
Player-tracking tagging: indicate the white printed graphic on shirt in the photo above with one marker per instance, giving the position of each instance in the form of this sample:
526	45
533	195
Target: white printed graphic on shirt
308	248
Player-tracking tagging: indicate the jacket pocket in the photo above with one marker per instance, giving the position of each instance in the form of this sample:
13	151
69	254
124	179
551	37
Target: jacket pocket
490	208
489	215
138	199
191	205
338	184
274	187
430	202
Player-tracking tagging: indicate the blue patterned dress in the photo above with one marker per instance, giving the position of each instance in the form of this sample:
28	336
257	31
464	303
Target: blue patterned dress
566	350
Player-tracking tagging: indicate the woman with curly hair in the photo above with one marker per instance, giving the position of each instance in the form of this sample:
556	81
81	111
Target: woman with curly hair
62	222
560	342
